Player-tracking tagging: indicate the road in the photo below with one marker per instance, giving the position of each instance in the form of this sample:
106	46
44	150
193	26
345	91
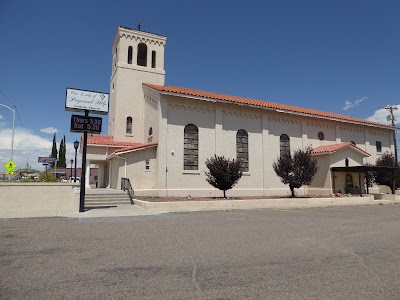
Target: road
313	253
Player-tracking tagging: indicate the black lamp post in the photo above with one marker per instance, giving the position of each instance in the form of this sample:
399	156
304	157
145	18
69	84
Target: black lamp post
76	145
71	161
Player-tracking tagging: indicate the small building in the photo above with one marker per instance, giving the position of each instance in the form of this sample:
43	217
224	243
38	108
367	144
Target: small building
159	136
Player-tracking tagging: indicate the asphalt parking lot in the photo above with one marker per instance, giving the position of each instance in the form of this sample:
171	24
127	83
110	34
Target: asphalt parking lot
315	253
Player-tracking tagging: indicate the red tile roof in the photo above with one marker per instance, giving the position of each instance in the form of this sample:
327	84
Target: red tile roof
336	147
107	140
139	146
259	103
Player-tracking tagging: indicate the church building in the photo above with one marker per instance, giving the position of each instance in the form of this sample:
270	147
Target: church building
160	136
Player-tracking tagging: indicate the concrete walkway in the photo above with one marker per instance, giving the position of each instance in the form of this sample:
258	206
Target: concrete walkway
144	208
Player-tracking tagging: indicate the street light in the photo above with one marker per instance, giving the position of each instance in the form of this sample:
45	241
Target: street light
12	139
76	145
71	161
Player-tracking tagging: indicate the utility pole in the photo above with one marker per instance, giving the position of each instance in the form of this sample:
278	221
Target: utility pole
390	109
13	129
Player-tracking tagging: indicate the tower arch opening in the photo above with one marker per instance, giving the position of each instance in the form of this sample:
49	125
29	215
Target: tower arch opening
142	55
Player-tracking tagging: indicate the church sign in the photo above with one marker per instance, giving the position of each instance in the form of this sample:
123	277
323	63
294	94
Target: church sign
81	100
85	123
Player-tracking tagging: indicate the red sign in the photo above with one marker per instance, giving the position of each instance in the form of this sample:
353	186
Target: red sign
47	160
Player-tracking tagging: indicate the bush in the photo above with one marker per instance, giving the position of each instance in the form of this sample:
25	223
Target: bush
296	171
223	173
47	177
385	177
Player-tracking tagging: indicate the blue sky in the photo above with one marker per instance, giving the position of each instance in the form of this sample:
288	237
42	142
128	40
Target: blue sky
336	56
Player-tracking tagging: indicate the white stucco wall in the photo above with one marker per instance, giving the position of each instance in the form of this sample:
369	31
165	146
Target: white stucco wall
179	181
38	197
218	124
322	179
143	181
98	152
232	121
127	95
151	115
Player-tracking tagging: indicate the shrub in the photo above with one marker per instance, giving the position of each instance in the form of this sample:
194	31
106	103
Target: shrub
223	173
296	171
47	177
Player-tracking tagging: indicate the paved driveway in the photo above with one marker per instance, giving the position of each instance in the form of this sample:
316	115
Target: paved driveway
314	253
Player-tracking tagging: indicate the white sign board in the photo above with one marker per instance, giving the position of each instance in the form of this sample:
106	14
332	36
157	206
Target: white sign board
81	100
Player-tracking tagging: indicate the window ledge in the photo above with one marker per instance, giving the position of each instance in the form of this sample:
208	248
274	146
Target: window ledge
246	173
128	134
147	170
194	172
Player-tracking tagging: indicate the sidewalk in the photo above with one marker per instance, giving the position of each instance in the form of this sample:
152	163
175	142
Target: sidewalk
144	208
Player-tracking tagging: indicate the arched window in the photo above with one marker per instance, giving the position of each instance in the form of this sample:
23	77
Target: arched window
129	125
153	59
142	55
242	149
150	137
346	162
130	50
191	148
284	145
321	136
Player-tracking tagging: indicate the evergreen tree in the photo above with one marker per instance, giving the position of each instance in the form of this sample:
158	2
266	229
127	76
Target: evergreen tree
223	173
65	152
61	155
296	171
54	149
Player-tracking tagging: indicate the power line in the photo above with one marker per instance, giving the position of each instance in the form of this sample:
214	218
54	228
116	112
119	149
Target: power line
20	120
391	117
8	99
23	128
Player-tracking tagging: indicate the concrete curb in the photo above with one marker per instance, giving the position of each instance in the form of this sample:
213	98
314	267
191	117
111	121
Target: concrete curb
256	203
146	208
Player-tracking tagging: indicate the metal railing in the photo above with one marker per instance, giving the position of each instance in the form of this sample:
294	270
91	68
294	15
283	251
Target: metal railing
126	186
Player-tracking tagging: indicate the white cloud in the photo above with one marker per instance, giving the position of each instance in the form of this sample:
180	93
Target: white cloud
28	146
49	130
349	104
381	114
2	118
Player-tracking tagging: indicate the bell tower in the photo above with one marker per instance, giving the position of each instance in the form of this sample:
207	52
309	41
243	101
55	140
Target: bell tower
137	57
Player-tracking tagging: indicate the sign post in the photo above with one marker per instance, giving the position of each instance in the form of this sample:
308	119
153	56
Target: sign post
83	176
85	101
10	166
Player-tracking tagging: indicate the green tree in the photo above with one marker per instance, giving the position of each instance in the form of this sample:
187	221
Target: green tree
47	177
65	153
54	151
61	155
384	176
369	176
223	173
296	171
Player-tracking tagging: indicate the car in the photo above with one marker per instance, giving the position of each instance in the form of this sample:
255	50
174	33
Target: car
71	179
